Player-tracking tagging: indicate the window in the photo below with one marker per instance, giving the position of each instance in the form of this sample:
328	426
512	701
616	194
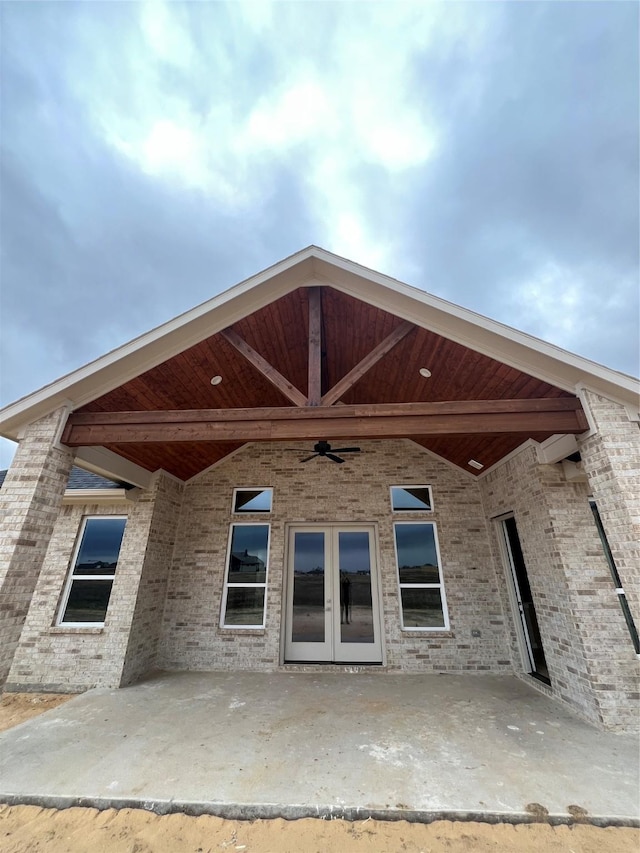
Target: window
622	598
411	499
93	569
245	584
252	500
423	605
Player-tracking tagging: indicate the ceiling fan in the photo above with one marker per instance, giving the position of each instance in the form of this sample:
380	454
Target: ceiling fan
323	448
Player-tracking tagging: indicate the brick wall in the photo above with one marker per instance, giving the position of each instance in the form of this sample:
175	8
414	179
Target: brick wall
611	459
586	643
321	491
75	659
152	589
29	503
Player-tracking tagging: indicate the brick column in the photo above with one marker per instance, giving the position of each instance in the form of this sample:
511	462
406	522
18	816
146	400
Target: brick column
611	460
146	621
29	503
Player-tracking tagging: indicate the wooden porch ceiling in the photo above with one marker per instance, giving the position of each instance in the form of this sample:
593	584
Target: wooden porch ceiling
320	364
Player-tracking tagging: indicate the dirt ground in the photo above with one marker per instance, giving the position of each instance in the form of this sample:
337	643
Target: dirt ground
79	830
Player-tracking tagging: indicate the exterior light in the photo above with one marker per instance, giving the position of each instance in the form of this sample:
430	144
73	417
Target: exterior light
425	372
216	380
473	464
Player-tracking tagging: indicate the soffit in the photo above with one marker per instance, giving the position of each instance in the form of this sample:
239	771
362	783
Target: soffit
351	328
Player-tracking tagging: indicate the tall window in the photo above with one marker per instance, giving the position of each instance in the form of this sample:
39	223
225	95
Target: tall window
92	572
245	585
422	599
622	598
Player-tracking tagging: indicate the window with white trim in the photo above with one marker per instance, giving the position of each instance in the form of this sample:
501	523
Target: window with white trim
245	582
411	499
423	605
252	500
93	567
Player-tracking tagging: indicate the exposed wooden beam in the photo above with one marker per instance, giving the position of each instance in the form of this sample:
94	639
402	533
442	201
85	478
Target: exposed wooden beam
367	363
267	370
315	347
557	415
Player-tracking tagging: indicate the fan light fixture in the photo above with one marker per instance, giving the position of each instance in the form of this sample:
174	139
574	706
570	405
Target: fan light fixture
424	372
473	464
324	449
216	380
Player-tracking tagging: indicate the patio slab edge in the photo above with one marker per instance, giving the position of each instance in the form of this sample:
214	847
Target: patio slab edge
271	811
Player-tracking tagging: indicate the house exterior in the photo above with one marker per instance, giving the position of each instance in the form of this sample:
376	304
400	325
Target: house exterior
323	467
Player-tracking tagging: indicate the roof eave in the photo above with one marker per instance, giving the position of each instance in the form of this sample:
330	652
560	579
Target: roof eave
314	265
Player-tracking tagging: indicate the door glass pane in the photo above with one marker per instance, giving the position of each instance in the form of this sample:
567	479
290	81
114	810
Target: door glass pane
421	608
308	588
417	557
356	610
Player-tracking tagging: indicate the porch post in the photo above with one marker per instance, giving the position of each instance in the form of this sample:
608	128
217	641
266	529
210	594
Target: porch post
29	504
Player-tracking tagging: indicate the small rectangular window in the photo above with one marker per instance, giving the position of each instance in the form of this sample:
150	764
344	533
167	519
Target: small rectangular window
92	572
423	605
245	584
411	499
252	500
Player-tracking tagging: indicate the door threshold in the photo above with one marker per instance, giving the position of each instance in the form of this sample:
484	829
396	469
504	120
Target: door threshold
330	666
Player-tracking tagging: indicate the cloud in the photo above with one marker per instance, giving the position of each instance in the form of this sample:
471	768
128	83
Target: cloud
156	153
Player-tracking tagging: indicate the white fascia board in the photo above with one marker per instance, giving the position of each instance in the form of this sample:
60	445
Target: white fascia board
146	351
556	448
306	268
99	496
108	464
525	352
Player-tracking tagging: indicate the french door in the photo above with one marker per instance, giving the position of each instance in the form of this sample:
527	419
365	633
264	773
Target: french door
332	612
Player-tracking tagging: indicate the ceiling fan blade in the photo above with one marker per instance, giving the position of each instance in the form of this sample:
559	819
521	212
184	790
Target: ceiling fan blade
333	457
309	458
346	449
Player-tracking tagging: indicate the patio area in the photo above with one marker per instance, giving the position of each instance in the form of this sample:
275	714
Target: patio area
304	744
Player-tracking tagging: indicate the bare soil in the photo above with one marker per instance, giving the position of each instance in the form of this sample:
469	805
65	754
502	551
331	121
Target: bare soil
30	829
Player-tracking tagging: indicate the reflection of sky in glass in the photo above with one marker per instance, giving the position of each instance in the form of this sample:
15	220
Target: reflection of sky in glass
413	498
101	540
354	551
309	552
253	500
252	539
416	545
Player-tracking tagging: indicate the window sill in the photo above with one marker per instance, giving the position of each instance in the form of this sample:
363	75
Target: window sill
251	632
69	629
427	633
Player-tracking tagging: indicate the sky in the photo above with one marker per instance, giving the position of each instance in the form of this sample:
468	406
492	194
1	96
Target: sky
154	154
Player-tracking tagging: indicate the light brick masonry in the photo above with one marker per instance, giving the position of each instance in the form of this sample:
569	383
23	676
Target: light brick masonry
165	605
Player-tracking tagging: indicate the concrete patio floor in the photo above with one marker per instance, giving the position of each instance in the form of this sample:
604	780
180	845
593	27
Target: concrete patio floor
348	744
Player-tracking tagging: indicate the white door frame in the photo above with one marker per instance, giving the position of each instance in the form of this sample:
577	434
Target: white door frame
328	650
515	598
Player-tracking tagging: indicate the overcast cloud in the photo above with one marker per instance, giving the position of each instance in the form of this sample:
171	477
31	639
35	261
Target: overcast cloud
155	154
